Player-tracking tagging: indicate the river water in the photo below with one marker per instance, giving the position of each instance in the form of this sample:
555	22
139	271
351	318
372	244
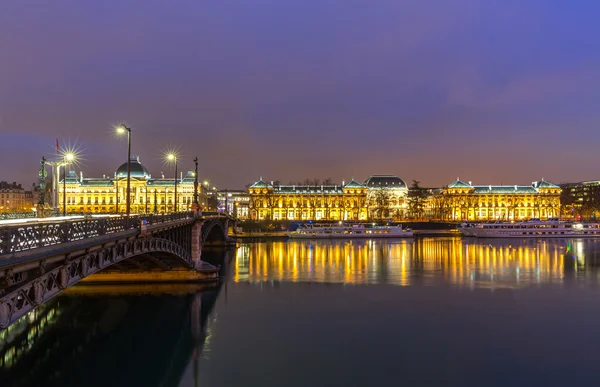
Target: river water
429	312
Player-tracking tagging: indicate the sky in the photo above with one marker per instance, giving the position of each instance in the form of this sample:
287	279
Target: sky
493	92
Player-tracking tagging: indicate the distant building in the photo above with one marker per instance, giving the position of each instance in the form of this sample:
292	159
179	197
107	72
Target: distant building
107	194
463	201
235	203
581	199
14	198
308	202
386	197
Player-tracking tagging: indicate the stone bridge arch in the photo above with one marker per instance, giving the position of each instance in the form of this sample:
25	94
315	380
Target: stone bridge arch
19	302
215	230
213	234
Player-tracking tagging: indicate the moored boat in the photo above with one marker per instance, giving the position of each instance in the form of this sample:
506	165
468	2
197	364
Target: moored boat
534	228
345	231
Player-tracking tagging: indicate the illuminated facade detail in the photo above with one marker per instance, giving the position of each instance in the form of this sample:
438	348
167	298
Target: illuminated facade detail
13	198
108	194
463	201
581	200
386	197
235	203
308	202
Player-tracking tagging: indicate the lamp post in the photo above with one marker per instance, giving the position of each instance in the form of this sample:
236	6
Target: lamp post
196	206
68	158
121	129
117	193
173	157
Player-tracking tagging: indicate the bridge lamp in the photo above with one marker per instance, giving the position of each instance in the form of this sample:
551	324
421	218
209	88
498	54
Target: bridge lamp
122	129
69	157
172	157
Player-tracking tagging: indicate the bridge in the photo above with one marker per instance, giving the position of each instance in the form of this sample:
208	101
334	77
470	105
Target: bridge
39	259
71	337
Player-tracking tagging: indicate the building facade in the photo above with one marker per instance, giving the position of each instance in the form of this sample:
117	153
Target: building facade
147	194
386	197
308	202
463	201
581	200
234	202
14	198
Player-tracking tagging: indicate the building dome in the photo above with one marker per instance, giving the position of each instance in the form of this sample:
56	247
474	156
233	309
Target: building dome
137	170
387	181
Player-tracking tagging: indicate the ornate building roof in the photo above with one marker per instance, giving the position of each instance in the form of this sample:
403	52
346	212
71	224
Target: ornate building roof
354	184
72	178
389	181
136	169
503	189
459	184
189	178
308	189
546	184
261	184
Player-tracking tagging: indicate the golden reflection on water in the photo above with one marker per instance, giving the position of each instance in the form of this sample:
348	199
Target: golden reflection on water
429	261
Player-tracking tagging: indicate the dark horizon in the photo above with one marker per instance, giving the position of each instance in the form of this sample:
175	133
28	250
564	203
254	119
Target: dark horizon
492	93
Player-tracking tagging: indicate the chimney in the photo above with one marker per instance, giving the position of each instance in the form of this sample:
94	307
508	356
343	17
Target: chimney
470	182
80	176
343	184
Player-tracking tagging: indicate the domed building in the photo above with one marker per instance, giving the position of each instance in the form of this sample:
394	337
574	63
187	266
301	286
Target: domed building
107	194
386	196
136	170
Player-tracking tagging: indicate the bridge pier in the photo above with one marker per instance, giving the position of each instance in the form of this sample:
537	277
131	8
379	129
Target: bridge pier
197	243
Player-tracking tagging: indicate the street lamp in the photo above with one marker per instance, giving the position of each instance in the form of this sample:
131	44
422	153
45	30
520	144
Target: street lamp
173	158
68	159
122	129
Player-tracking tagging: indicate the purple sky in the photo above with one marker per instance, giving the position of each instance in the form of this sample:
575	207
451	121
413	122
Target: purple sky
490	91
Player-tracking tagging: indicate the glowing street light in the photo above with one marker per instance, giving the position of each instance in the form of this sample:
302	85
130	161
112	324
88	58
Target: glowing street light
172	157
122	129
68	158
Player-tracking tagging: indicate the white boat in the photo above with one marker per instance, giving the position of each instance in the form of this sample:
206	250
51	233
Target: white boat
346	231
533	228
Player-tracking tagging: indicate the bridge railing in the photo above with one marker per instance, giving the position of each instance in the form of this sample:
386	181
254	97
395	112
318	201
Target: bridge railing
35	235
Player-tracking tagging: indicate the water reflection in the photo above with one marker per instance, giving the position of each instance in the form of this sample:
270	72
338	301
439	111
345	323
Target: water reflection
113	335
430	261
102	339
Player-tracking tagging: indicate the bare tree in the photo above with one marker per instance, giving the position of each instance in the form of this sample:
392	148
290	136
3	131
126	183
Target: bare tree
381	202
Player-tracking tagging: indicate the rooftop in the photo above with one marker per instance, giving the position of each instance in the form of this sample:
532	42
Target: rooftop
389	181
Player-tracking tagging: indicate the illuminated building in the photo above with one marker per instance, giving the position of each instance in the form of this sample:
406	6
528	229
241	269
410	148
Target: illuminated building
14	198
308	202
148	195
463	201
236	203
386	197
581	199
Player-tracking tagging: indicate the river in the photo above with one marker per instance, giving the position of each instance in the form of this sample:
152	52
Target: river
433	311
